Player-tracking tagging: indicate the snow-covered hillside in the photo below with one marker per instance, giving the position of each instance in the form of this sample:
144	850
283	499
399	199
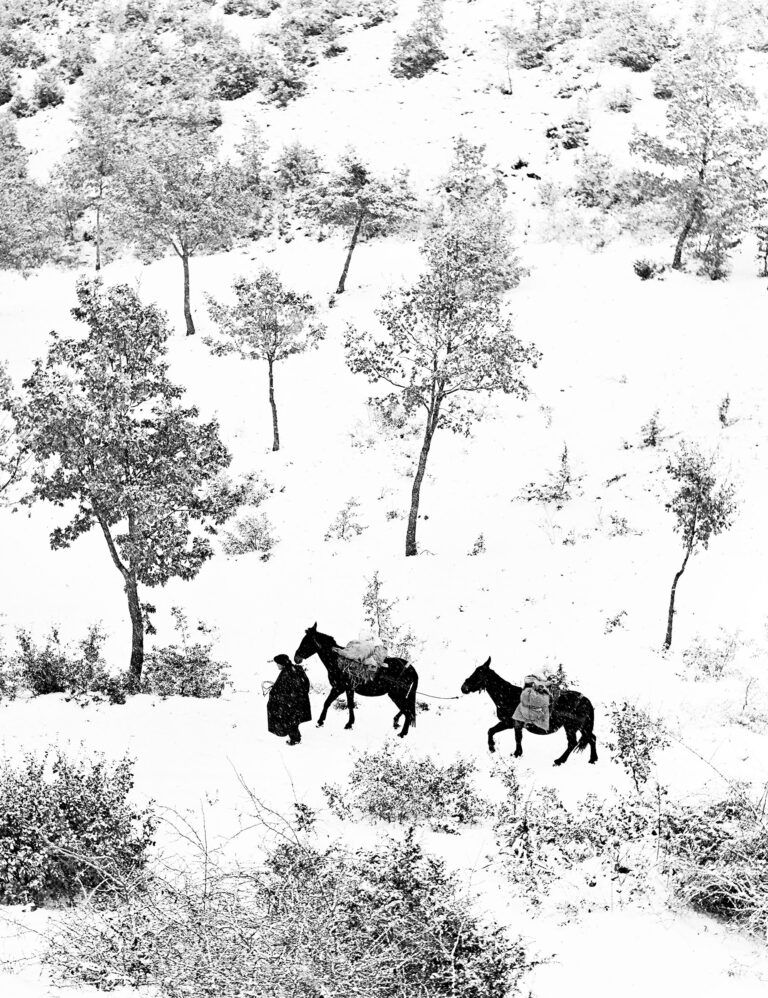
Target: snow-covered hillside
550	580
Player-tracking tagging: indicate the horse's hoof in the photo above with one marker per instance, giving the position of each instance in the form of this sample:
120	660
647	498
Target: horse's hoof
347	727
402	734
319	724
558	762
517	755
491	748
592	762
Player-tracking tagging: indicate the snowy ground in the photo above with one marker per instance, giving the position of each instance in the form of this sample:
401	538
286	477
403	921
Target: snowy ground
614	350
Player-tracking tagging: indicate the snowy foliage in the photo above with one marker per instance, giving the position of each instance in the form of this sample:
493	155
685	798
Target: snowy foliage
69	829
387	786
185	669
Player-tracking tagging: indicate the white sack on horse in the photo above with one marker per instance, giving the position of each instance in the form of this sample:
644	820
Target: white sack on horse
367	654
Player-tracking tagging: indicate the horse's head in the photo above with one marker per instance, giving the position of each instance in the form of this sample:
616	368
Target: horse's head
308	646
478	680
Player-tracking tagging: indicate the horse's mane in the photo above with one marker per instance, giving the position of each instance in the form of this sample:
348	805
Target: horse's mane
325	638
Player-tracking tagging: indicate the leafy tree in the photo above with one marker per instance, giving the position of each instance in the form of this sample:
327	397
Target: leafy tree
268	322
27	237
109	432
711	180
438	353
420	48
175	194
353	197
703	508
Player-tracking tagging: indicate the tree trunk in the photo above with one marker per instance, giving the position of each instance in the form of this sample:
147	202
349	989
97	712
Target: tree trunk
410	536
275	430
671	614
98	237
187	309
353	243
137	635
677	262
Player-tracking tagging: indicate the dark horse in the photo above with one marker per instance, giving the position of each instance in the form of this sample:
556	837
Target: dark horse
398	680
570	710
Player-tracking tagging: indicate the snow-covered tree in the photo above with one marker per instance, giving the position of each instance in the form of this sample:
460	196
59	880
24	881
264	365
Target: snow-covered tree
27	236
438	350
633	37
352	197
703	506
709	184
468	234
84	179
114	444
12	451
268	322
175	194
420	48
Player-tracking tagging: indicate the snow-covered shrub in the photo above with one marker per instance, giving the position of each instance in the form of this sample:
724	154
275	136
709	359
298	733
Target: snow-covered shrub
723	411
646	270
718	858
296	167
561	486
540	840
478	547
75	55
21	106
57	667
651	431
68	827
283	69
251	534
572	134
389	786
7	81
373	12
251	8
420	49
622	99
634	38
185	669
637	738
711	659
615	622
47	90
18	45
594	185
380	922
345	525
240	75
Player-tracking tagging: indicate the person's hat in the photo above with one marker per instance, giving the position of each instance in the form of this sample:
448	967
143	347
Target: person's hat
282	660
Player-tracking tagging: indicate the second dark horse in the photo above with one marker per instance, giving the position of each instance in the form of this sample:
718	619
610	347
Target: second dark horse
398	680
571	710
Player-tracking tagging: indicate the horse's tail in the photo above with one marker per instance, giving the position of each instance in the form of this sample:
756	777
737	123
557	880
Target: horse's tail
587	726
410	699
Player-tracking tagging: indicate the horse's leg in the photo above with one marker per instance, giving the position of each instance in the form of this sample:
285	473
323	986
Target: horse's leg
501	726
592	749
351	708
402	711
333	695
518	739
571	736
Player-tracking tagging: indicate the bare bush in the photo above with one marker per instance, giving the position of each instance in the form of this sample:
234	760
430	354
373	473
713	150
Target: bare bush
388	922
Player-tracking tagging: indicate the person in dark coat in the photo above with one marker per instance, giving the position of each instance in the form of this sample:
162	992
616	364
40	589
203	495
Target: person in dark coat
288	702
